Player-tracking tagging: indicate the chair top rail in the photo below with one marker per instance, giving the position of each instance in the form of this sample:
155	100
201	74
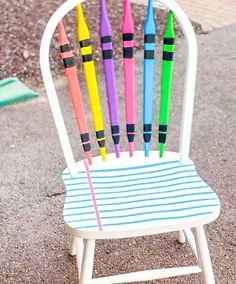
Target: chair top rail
190	77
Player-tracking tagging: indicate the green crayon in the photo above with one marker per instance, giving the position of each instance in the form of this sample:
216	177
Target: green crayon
166	81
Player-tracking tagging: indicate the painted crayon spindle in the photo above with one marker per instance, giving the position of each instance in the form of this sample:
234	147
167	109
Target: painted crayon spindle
148	75
74	90
109	71
166	81
91	81
129	74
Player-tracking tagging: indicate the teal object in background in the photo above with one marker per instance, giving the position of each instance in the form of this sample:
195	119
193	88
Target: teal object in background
12	90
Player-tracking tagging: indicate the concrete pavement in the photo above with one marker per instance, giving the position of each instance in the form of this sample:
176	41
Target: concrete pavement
33	240
211	14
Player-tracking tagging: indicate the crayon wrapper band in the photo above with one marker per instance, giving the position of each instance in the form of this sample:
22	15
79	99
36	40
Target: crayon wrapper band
106	46
128	43
67	54
149	46
86	50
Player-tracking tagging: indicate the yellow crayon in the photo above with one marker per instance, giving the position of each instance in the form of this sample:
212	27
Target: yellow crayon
91	81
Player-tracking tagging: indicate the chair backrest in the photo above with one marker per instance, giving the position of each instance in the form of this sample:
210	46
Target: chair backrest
190	75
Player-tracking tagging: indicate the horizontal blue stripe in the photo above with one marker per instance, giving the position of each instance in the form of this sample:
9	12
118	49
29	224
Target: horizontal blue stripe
150	199
79	214
148	220
130	168
133	190
128	180
119	181
147	207
143	206
135	195
141	189
134	201
141	213
137	179
133	174
154	192
163	186
138	184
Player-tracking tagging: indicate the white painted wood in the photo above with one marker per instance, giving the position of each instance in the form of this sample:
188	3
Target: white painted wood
181	237
191	240
79	253
147	275
72	246
87	262
204	256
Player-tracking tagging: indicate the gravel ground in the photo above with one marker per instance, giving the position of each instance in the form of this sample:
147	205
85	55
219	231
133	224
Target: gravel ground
34	244
22	23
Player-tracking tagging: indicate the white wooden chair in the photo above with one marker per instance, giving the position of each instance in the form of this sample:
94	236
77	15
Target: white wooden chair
135	196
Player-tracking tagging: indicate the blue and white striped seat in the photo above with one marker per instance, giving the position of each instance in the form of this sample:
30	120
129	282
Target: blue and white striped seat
139	193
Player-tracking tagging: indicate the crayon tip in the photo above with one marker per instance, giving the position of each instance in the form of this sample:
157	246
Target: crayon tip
62	34
161	149
79	10
146	149
117	150
89	157
131	148
103	153
127	25
169	31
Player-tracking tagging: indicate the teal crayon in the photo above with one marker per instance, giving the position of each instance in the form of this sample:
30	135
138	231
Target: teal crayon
148	75
166	81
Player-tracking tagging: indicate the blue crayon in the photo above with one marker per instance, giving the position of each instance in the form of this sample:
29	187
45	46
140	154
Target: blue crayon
148	75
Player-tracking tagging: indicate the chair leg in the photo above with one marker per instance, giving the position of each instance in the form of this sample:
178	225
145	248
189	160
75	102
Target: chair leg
181	237
79	253
87	262
204	256
190	238
72	246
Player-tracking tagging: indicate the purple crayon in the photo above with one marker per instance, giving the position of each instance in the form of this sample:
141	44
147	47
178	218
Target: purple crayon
109	71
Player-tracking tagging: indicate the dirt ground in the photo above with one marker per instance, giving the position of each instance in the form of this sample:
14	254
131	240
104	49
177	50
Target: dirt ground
22	23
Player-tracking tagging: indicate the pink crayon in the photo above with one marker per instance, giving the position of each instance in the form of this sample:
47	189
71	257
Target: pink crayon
128	71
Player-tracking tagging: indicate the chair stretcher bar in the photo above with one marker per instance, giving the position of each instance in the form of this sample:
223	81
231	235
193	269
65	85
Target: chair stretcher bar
147	275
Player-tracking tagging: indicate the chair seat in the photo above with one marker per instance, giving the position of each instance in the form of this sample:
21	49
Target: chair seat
136	196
